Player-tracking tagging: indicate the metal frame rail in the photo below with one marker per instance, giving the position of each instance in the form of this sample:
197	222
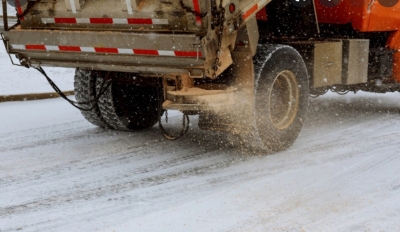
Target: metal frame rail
5	18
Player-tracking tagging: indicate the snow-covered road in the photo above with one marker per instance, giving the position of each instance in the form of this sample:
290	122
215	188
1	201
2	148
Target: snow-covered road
59	173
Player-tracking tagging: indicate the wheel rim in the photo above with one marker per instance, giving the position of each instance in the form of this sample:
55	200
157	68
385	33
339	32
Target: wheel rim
284	100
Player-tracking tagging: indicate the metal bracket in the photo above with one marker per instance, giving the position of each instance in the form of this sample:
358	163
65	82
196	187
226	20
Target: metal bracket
5	19
74	5
130	5
197	46
7	47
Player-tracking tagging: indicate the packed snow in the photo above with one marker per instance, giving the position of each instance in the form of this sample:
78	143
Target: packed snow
60	173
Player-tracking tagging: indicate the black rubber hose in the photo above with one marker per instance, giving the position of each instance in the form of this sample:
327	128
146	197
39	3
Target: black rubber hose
76	103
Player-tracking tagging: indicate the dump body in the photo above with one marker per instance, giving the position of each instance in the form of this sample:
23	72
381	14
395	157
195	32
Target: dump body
153	37
104	35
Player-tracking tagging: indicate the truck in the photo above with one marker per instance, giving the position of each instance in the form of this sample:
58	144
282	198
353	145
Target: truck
247	67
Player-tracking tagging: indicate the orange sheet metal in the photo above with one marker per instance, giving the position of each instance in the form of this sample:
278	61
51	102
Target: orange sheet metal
394	43
364	15
384	18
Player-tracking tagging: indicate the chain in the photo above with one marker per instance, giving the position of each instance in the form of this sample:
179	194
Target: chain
221	21
185	120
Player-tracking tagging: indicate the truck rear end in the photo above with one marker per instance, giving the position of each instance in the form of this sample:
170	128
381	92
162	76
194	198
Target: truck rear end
155	55
154	37
244	66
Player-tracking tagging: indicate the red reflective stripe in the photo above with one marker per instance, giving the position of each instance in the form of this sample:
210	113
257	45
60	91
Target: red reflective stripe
250	11
147	21
114	50
35	47
20	12
69	48
64	20
196	7
101	20
198	20
140	21
145	52
19	9
187	53
106	50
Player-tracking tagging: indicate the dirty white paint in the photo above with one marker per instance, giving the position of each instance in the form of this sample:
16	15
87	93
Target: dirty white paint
129	6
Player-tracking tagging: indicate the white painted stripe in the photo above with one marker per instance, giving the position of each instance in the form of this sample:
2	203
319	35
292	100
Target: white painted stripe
160	21
82	20
166	53
120	21
52	48
48	20
73	7
18	46
87	49
129	6
125	51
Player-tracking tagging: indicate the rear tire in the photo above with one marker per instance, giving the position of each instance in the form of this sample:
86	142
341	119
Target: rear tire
281	95
129	106
85	90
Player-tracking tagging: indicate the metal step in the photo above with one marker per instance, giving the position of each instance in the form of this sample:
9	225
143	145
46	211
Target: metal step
197	99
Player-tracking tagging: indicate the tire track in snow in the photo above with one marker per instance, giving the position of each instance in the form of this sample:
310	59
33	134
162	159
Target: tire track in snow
143	177
172	173
313	192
